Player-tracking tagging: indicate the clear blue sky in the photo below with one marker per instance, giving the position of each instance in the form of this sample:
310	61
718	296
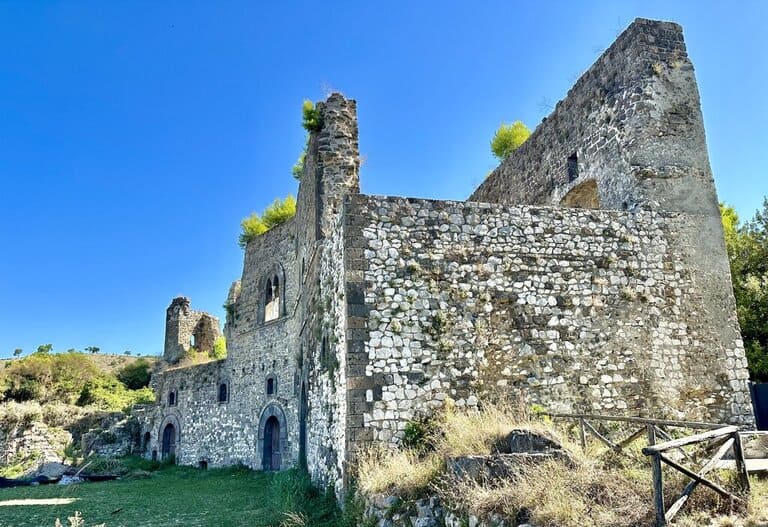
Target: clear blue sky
134	136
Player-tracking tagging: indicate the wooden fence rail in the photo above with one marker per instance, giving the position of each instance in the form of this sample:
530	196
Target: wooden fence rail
727	438
724	438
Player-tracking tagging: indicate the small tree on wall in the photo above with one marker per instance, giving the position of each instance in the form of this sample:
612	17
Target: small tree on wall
280	211
508	138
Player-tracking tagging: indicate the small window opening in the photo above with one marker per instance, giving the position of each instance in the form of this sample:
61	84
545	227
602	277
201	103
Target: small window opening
172	398
203	464
270	386
324	351
272	300
223	393
573	167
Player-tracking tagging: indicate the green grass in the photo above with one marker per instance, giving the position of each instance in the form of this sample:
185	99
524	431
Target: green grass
180	496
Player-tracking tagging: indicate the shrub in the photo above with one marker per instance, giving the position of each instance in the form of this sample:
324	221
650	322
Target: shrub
298	169
508	138
311	119
279	211
135	375
107	393
219	348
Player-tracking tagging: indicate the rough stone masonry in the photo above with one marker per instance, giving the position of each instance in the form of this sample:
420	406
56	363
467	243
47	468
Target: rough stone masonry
587	273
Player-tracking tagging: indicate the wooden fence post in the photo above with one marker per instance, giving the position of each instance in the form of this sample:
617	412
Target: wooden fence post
658	483
741	465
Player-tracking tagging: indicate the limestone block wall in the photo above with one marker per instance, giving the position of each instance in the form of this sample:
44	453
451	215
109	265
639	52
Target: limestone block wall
578	310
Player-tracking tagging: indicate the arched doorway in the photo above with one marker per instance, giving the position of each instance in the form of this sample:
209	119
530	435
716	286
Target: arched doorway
272	458
169	441
273	437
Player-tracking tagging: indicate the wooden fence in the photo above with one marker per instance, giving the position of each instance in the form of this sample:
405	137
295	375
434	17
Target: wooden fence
724	438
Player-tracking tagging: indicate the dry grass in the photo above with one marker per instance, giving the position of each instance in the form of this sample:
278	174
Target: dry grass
597	488
403	472
554	494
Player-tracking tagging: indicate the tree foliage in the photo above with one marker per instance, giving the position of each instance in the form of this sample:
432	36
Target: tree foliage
72	377
747	246
135	375
508	138
276	213
219	348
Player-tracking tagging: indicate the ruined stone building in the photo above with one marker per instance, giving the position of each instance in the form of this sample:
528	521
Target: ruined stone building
588	273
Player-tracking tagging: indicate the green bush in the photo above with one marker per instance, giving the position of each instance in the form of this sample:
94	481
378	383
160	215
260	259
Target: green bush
219	348
279	211
135	375
311	118
508	138
107	393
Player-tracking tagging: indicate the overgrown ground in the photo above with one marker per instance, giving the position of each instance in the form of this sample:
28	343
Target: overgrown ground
180	496
598	487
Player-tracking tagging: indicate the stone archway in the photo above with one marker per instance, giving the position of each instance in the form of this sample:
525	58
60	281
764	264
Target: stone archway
582	196
169	436
273	437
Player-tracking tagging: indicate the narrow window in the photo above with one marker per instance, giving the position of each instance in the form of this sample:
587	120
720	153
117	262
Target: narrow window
172	398
324	350
272	300
223	395
270	386
573	167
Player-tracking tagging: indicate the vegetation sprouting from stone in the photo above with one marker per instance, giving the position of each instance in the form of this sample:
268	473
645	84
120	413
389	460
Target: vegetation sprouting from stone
747	246
312	121
280	211
298	169
508	138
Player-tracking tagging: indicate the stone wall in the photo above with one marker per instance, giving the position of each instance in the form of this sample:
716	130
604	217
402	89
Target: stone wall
187	329
578	310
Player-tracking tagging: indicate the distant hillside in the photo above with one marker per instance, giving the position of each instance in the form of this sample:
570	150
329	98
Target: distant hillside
109	382
106	362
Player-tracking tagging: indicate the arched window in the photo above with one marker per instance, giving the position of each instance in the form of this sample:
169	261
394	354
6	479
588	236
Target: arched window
172	398
272	299
223	393
271	385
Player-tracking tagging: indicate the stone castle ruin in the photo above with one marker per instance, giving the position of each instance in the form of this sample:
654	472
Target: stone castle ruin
588	273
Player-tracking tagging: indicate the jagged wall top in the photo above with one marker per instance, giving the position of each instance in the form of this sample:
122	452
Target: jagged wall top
631	127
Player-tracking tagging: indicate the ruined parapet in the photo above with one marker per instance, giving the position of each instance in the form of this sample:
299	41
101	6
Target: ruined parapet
231	306
338	159
186	329
630	127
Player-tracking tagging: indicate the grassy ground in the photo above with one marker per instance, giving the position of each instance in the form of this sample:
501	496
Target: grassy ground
179	496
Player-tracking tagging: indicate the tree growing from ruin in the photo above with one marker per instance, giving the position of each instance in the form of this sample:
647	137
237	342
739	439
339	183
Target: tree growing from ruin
747	246
508	138
279	211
